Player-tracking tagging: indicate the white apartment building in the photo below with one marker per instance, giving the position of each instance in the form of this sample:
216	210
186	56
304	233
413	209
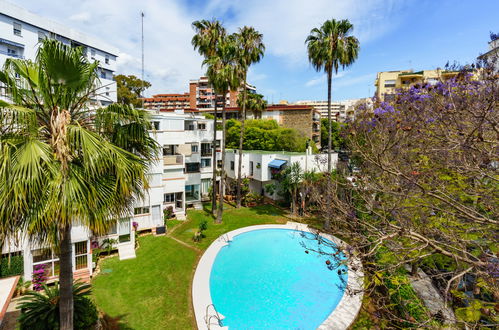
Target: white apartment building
340	111
261	166
20	34
180	178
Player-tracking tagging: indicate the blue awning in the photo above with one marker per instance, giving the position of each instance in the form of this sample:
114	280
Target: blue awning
11	43
277	163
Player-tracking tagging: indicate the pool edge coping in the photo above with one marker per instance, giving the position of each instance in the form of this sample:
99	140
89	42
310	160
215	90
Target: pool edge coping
341	317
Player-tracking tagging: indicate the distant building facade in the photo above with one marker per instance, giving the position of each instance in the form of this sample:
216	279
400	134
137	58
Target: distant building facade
388	82
201	97
341	111
492	54
21	32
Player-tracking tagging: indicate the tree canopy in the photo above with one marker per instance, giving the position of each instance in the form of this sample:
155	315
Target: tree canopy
264	134
337	141
130	89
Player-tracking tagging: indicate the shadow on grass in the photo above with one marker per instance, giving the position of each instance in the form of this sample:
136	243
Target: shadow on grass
268	209
108	322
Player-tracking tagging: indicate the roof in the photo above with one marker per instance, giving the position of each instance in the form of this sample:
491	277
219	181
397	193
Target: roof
7	288
277	163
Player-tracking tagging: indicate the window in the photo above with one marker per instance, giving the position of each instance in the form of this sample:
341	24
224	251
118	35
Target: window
202	126
11	52
205	149
17	29
41	36
219	164
107	91
389	83
194	148
232	165
251	168
155	125
192	192
205	186
124	230
103	74
205	162
80	249
217	144
92	54
141	210
107	59
191	167
169	198
46	259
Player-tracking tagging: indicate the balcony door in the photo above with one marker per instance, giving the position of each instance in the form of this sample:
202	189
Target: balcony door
156	215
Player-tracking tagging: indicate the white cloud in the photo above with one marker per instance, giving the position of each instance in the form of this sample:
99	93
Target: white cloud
170	58
80	17
322	79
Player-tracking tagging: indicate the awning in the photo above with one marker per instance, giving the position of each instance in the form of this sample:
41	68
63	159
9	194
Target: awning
277	163
11	43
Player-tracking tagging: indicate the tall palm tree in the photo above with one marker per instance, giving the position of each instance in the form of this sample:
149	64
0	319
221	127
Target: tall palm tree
206	40
330	47
250	50
224	73
62	163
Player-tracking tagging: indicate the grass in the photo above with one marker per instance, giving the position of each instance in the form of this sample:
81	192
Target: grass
153	290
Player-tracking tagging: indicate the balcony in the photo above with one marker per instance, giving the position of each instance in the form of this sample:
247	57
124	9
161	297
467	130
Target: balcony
173	160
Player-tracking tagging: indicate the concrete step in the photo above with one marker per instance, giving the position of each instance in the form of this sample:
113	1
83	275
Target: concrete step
126	251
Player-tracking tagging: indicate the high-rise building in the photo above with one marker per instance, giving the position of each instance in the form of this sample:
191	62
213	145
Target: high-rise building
388	82
21	32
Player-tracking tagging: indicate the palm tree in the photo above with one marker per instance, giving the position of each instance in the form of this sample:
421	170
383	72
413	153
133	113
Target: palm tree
250	50
224	73
206	40
257	104
330	46
62	163
292	178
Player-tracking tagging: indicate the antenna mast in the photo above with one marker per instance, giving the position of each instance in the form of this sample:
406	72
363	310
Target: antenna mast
142	90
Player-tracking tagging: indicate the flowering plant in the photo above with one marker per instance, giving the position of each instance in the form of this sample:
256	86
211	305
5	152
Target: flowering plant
39	277
135	225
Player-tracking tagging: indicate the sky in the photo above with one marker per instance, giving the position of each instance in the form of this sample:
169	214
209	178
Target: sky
393	35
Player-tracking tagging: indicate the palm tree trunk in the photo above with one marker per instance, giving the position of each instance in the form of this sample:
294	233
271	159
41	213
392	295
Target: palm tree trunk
214	165
66	306
241	137
222	174
329	78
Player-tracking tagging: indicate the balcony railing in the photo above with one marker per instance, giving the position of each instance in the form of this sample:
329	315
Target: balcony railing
173	160
206	152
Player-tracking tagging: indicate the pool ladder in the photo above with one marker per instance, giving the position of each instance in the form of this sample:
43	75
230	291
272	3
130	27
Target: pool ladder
208	317
225	238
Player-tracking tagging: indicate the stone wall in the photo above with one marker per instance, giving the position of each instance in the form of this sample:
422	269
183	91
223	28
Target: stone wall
300	120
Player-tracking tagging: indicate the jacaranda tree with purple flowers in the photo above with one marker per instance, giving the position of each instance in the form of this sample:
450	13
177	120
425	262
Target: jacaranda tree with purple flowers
426	197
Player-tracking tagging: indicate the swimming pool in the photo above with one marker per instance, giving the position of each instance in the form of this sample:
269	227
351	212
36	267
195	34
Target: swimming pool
275	279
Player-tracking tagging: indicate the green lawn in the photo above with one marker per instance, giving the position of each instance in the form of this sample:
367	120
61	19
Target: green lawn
153	290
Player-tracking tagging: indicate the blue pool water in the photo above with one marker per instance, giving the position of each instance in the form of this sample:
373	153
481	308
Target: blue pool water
264	280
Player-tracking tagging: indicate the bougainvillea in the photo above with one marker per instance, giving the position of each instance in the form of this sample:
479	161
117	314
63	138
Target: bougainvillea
39	277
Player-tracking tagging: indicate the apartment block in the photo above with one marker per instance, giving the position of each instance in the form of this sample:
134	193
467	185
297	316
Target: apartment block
182	176
262	167
492	55
340	111
21	32
167	102
388	82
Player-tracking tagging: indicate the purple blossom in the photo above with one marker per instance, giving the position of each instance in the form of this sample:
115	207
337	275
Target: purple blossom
135	225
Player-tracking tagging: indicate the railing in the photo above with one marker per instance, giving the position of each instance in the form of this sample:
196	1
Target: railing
207	317
173	160
205	153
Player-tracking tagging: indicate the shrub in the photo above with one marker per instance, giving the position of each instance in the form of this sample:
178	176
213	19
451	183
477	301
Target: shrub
168	213
203	225
16	266
40	311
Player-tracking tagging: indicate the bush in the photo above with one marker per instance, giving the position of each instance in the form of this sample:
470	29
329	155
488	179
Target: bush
16	266
40	311
203	225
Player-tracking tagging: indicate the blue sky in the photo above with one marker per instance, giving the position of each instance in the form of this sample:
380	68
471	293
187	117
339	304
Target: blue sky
394	34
